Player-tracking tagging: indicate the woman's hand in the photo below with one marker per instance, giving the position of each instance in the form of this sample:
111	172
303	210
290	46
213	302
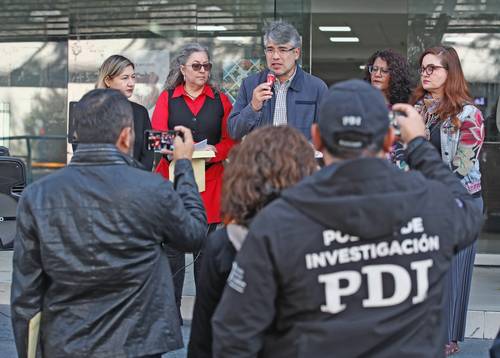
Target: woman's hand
211	148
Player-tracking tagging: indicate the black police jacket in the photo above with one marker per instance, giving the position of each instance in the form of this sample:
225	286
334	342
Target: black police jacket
88	255
349	263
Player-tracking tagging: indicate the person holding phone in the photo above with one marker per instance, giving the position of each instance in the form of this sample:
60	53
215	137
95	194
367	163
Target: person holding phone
189	100
88	252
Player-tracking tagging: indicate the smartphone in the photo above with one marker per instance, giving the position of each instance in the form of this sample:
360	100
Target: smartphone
158	140
394	123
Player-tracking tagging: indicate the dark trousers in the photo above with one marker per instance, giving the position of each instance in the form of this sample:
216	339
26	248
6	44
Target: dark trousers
177	261
459	279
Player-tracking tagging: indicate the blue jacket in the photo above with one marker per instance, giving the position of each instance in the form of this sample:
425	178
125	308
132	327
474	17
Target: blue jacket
302	100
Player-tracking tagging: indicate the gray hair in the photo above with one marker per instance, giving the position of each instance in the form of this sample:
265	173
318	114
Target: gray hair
175	76
112	67
281	32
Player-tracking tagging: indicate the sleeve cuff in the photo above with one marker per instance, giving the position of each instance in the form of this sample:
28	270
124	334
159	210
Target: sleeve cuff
182	166
414	144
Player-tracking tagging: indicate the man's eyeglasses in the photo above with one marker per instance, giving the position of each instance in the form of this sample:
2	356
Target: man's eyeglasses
197	66
374	69
281	50
429	69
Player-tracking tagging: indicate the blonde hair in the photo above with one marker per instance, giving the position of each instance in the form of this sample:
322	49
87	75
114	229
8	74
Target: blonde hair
112	67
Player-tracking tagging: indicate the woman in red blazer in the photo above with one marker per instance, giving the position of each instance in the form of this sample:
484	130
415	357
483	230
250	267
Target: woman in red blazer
189	100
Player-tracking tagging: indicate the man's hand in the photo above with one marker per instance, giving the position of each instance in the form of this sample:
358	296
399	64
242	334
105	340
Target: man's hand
183	144
411	125
260	94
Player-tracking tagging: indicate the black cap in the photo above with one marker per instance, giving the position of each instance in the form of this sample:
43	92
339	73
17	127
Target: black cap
353	115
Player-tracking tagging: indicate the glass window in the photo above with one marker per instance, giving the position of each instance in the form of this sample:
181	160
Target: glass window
473	29
51	52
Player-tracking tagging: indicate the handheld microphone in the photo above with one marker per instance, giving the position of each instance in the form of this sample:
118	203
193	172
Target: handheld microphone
271	77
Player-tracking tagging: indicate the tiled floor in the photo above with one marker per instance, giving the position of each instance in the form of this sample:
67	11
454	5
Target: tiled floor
483	316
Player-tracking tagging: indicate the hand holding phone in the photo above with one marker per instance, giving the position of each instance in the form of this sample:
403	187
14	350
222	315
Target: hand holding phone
183	143
394	122
411	124
159	141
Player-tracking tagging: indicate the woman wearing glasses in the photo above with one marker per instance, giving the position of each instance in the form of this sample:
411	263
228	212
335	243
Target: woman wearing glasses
189	100
455	127
388	71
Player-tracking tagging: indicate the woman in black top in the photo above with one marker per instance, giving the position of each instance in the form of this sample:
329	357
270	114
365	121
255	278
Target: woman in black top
389	71
268	160
118	72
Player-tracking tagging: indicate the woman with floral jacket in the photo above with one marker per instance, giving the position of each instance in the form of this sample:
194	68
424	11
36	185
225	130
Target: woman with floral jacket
455	127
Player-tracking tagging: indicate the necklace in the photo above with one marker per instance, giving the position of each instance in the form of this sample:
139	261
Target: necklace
191	95
430	120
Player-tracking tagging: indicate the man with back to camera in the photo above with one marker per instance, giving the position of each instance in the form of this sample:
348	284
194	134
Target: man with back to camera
88	251
291	99
351	261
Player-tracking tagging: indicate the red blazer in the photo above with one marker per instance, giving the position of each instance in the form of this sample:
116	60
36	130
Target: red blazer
213	176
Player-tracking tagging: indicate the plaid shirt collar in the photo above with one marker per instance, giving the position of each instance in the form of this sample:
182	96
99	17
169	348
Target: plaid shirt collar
287	83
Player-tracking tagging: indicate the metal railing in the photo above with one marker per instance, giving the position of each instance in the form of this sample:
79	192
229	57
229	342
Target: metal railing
30	163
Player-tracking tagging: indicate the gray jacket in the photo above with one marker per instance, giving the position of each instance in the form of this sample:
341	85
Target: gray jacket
303	98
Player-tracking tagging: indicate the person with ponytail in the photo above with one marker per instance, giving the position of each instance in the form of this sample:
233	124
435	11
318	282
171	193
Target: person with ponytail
189	100
455	127
265	163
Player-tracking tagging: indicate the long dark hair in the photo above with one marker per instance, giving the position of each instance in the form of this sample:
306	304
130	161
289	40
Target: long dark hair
399	80
456	91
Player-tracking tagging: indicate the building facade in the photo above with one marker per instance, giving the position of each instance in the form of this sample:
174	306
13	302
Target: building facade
50	52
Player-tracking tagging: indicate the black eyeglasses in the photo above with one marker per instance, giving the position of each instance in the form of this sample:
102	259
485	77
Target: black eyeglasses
429	69
197	66
375	69
280	50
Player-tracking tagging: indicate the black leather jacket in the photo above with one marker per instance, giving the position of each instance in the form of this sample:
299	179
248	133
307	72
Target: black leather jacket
88	254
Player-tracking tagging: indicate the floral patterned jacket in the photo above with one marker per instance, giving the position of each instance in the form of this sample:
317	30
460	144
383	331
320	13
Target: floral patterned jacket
459	148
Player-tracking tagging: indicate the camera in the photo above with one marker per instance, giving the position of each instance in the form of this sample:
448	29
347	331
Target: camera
394	123
158	140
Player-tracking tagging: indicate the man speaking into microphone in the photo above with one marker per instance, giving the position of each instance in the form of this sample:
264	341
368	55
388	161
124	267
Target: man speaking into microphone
290	97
